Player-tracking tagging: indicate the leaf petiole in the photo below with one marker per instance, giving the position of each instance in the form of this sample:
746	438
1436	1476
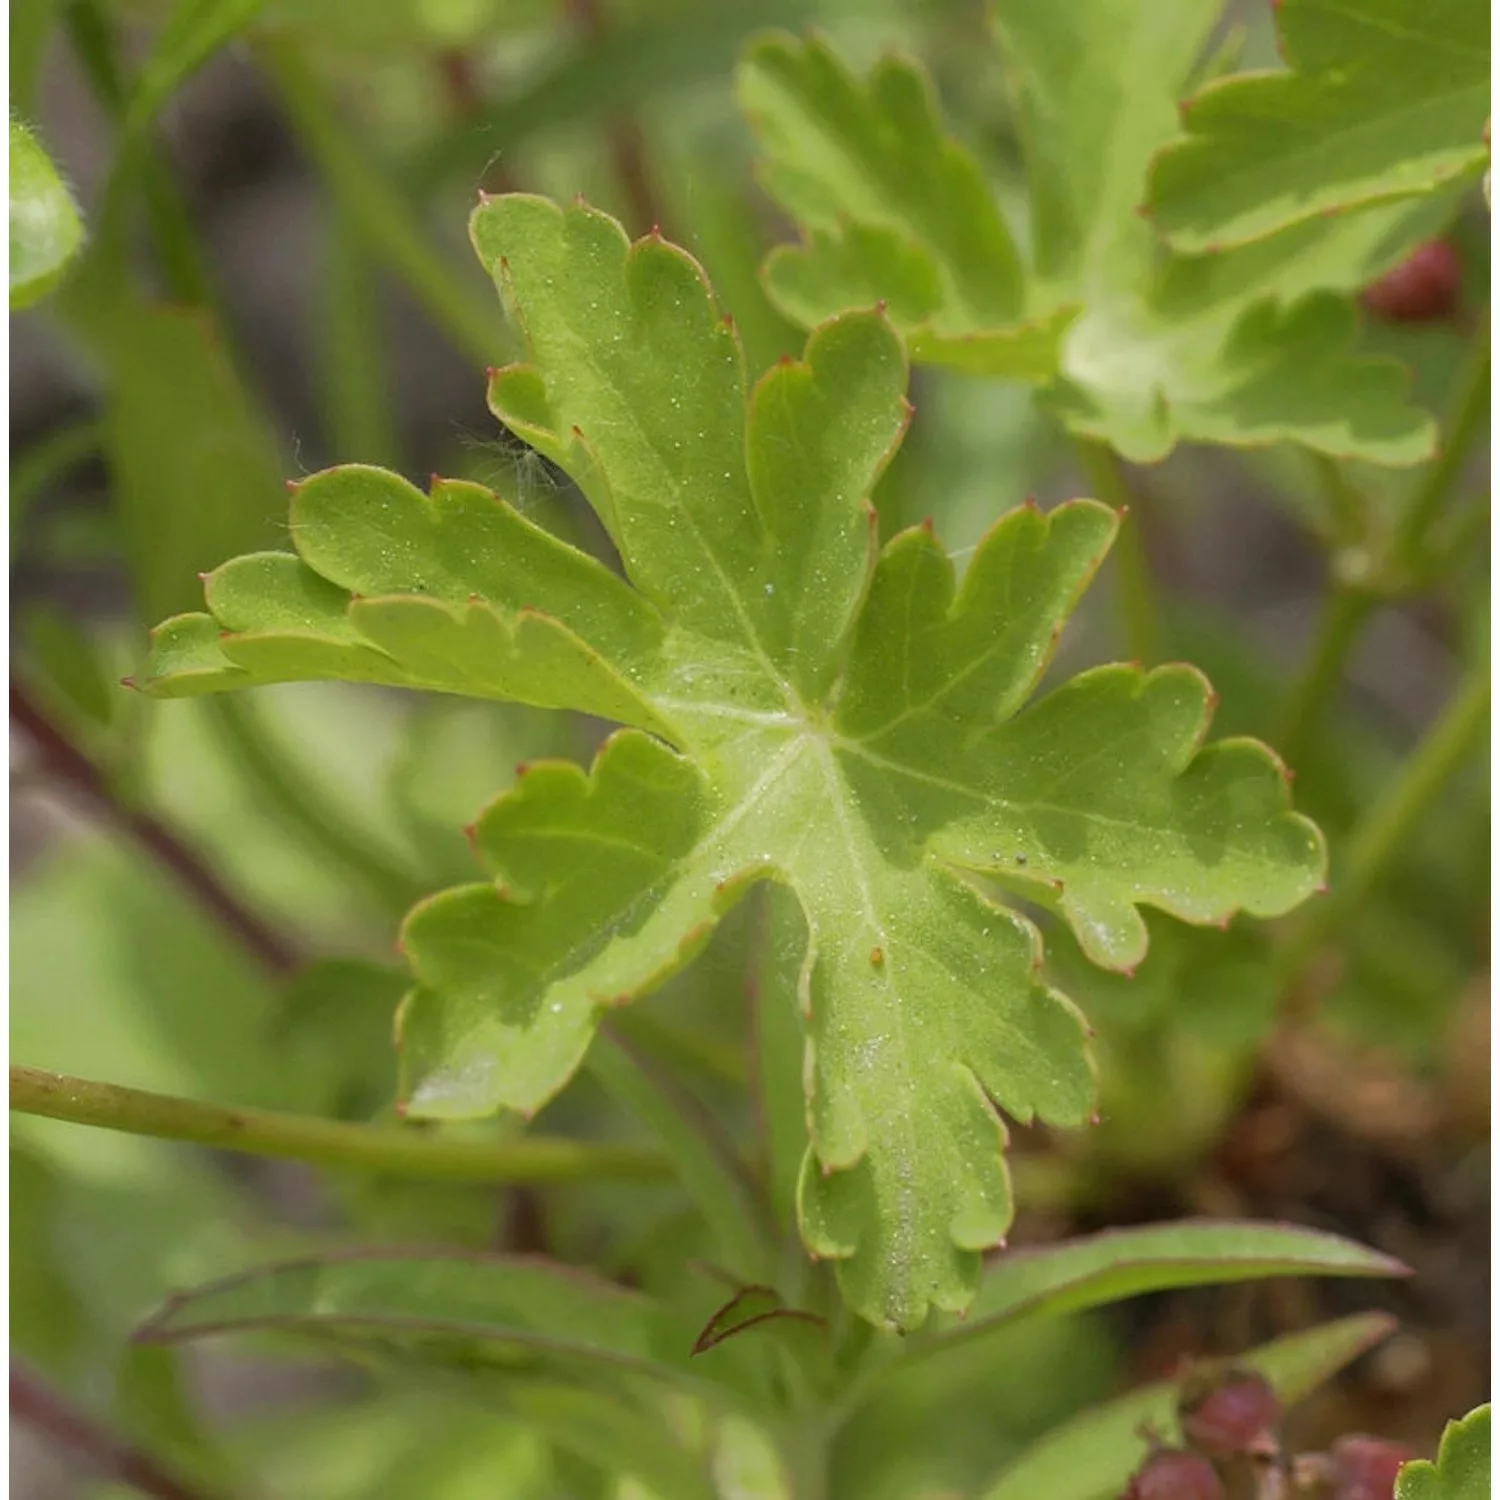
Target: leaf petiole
1140	615
404	1152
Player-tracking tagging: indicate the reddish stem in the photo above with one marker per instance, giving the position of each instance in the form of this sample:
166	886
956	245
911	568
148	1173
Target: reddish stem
65	763
627	141
40	1408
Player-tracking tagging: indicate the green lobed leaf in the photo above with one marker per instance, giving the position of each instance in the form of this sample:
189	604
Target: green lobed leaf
893	209
45	229
1093	1456
1462	1468
1249	349
1380	99
850	725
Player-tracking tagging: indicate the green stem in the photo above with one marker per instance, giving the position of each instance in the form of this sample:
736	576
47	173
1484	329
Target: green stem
42	464
1345	506
700	1150
304	808
405	1152
1350	606
681	1048
1344	614
1471	408
172	234
1139	613
1465	530
1397	812
352	354
381	215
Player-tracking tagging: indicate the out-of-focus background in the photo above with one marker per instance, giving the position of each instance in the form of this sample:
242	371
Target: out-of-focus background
321	177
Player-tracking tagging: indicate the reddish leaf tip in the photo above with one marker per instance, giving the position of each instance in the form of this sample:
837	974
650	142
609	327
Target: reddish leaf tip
204	575
1095	1118
785	359
521	768
471	832
128	682
491	371
877	958
293	484
880	307
927	525
655	232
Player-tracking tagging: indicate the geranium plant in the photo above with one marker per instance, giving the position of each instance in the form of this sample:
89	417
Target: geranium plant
827	858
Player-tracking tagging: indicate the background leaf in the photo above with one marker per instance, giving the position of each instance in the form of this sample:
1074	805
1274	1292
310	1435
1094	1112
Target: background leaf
1380	99
1138	353
45	229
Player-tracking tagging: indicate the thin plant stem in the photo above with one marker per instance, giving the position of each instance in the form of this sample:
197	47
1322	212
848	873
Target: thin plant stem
172	235
374	207
1350	606
627	141
1140	615
267	767
34	1404
679	1047
1395	815
45	462
1470	410
403	1151
356	409
67	765
1346	508
1344	614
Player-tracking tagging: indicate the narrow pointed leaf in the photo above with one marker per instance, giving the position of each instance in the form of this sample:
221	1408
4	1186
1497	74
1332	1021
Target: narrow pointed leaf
450	1308
1379	99
1109	1267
